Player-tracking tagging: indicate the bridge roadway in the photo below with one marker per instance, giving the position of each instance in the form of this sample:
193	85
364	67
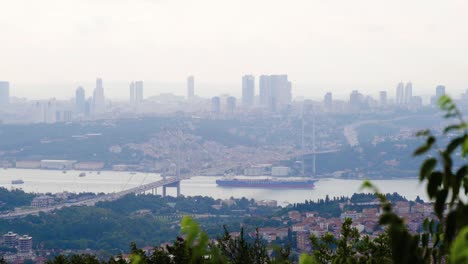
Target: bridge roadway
166	182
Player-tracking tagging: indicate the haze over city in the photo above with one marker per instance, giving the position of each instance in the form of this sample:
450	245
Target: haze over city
50	47
241	131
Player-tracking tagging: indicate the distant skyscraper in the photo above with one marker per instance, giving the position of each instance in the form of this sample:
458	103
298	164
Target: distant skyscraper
440	90
80	100
408	93
280	88
215	105
383	98
98	97
190	87
328	101
265	90
50	111
230	105
4	93
356	100
275	91
89	106
139	91
132	92
248	90
400	93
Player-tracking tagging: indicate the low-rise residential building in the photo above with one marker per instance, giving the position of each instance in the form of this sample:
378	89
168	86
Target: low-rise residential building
295	216
42	201
269	203
301	227
350	214
402	207
303	241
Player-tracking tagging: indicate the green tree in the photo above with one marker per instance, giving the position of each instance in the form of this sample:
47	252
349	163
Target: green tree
351	247
441	241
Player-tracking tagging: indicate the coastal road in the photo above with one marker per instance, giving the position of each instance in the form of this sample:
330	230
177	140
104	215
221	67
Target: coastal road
351	133
91	202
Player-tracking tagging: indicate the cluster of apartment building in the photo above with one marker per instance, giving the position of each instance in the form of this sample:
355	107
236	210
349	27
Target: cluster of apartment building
23	245
304	224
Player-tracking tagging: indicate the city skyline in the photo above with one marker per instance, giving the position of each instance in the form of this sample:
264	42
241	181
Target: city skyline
336	45
119	90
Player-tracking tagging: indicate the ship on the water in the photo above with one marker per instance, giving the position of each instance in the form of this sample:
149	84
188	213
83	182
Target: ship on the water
267	183
17	182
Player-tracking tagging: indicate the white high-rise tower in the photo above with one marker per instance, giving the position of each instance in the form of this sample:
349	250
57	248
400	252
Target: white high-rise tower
98	97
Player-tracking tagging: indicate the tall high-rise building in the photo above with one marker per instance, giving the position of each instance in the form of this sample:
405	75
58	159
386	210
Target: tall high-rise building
328	101
230	105
80	100
89	106
139	91
440	90
408	93
275	91
190	87
10	239
98	97
25	244
4	93
215	105
280	88
383	98
132	92
248	90
264	90
400	93
356	100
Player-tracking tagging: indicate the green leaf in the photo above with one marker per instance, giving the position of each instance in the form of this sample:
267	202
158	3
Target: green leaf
435	180
450	128
465	147
455	127
459	250
425	224
423	133
426	168
444	101
439	205
421	150
454	144
465	185
306	259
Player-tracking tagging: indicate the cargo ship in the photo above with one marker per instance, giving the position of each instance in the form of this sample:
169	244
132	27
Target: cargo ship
17	182
268	183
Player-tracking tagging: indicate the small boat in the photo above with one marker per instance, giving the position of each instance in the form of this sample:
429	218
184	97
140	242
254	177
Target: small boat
17	182
64	172
82	174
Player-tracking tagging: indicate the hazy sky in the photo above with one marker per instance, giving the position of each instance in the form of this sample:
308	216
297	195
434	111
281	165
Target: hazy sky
322	44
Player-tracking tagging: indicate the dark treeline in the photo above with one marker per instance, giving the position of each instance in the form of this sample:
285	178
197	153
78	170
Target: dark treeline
14	198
